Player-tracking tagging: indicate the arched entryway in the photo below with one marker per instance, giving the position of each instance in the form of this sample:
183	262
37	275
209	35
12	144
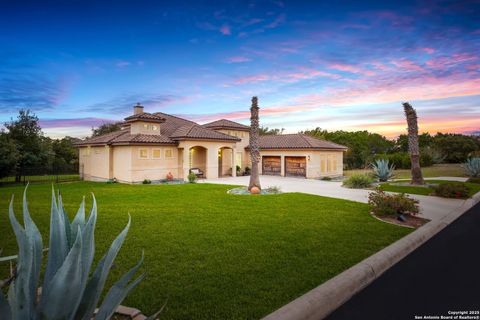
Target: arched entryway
225	161
198	159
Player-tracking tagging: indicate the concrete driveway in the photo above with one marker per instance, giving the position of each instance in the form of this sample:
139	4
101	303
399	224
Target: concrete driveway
432	208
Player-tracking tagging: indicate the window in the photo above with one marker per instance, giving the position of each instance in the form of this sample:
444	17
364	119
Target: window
150	127
143	154
156	154
168	153
97	150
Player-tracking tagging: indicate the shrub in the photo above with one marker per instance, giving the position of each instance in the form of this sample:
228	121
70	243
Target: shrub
238	169
68	292
391	204
452	190
274	189
358	181
472	167
382	170
192	177
326	178
247	170
401	160
147	181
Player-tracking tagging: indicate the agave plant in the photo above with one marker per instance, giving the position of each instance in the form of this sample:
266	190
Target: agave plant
382	170
68	292
472	167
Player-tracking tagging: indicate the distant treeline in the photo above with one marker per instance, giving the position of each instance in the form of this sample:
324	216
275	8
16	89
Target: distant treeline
364	147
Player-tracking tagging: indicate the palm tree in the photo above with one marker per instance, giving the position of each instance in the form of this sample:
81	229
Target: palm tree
413	148
254	148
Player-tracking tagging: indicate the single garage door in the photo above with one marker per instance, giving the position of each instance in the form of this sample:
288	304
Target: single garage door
271	165
295	166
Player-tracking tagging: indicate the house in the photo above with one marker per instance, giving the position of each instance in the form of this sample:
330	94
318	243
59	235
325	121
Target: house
151	145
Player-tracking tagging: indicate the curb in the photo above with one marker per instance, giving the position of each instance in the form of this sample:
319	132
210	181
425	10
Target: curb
324	299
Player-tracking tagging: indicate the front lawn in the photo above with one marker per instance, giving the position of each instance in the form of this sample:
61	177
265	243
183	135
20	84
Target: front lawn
472	187
215	255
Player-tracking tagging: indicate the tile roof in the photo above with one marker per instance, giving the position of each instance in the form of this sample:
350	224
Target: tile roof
226	124
197	132
171	123
104	139
296	141
142	138
145	116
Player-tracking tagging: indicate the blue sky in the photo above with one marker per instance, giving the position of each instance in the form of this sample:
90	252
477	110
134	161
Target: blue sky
342	65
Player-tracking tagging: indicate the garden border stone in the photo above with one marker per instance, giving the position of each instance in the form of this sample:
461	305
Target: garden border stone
324	299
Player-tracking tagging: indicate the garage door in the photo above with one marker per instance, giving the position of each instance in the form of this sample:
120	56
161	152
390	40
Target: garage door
295	166
271	165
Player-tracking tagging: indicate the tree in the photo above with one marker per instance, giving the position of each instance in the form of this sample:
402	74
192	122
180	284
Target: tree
413	147
105	128
65	153
254	147
32	147
266	131
8	155
456	147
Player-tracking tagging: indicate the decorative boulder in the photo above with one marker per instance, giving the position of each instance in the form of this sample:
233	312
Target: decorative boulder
255	190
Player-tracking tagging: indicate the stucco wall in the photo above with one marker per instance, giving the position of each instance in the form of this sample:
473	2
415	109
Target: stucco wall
153	168
94	163
332	160
122	163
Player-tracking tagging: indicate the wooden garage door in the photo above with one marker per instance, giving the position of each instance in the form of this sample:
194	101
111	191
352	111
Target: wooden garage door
295	166
271	165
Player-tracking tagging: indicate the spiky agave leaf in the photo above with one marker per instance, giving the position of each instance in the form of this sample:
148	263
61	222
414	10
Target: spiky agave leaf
36	246
58	245
79	220
119	291
472	167
65	290
5	308
383	170
97	282
19	294
66	220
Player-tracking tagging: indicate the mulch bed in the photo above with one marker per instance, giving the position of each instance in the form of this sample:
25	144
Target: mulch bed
412	221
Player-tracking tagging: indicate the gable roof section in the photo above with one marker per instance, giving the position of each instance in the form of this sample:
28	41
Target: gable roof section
197	132
171	123
226	124
145	116
104	138
296	141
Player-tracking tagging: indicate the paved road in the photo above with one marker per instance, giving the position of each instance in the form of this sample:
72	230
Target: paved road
432	208
441	275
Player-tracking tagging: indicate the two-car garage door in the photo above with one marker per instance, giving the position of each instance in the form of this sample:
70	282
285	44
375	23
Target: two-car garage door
294	166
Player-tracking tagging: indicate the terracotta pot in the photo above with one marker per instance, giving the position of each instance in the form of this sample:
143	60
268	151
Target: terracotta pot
255	190
169	176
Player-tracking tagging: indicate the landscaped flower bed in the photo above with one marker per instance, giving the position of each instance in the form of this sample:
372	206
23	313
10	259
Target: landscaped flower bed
244	191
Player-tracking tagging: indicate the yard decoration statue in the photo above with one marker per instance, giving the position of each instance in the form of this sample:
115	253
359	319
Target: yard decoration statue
254	147
413	148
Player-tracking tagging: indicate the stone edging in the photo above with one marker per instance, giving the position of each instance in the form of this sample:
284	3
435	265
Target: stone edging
324	299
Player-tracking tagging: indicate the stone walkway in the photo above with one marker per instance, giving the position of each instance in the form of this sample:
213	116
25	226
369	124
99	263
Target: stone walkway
432	208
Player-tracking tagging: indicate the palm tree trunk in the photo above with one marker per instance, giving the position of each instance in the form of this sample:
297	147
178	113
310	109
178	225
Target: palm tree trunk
254	147
413	147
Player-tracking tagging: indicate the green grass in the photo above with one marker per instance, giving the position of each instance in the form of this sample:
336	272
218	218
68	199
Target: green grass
215	255
472	187
439	170
43	178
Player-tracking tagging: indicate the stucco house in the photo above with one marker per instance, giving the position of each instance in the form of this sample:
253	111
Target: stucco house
150	145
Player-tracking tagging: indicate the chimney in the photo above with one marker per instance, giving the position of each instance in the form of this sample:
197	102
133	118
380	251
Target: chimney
138	108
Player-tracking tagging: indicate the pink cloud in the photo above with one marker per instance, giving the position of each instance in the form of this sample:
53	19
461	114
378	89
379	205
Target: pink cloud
238	59
449	61
351	69
225	30
407	65
254	78
428	50
78	122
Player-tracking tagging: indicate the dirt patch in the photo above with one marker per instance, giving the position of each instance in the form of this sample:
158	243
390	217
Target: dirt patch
411	222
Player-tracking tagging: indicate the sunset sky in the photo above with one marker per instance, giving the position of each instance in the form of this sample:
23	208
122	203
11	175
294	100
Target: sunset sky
334	65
